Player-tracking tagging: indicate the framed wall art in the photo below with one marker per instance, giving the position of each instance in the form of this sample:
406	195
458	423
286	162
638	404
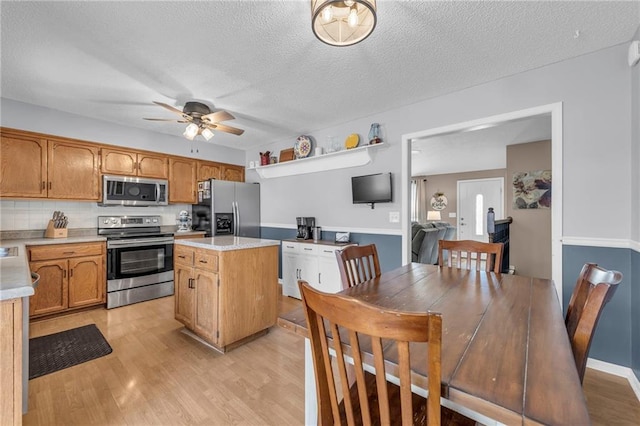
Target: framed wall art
532	190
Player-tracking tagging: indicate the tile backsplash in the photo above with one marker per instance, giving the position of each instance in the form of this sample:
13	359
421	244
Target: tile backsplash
35	214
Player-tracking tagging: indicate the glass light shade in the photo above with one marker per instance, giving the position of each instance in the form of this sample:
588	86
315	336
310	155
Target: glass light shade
351	22
207	134
433	215
191	131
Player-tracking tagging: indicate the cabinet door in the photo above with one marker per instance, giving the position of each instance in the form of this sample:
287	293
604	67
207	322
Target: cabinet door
86	281
208	170
73	171
153	166
328	274
11	362
290	270
182	181
51	294
184	295
308	264
23	170
234	173
118	162
206	305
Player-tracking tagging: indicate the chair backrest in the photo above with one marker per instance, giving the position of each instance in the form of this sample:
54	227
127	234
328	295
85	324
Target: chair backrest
358	264
594	288
335	317
462	254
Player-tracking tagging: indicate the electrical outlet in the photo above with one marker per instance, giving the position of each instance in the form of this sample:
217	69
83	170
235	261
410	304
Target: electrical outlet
394	217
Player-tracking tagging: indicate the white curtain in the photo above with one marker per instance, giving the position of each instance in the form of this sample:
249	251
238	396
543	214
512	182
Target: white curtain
419	200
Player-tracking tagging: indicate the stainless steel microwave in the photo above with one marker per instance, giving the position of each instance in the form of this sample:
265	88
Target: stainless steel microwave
134	191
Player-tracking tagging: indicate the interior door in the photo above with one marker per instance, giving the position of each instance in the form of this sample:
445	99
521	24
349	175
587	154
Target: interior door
474	199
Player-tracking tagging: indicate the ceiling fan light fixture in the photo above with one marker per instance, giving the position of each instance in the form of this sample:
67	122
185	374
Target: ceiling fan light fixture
350	21
191	131
207	133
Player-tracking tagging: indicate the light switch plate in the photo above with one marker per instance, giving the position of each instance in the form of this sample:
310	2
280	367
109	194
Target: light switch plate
394	217
452	214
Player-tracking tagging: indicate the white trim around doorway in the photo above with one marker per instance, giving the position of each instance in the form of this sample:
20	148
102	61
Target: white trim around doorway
555	110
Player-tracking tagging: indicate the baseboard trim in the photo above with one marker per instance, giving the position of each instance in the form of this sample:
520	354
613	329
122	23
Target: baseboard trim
617	370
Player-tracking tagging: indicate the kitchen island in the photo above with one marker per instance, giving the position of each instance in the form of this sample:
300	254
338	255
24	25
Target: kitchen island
226	288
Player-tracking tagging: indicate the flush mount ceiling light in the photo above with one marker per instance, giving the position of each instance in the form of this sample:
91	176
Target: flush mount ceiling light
343	23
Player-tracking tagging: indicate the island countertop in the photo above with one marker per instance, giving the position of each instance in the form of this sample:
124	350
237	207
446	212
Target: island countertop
227	243
15	275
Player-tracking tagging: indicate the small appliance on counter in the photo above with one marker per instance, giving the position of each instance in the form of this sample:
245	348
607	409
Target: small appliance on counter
184	221
305	227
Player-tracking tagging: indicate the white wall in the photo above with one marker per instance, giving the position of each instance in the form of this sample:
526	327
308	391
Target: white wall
595	91
23	116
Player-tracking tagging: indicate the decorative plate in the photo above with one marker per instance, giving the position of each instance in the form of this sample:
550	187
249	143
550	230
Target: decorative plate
352	141
439	201
302	146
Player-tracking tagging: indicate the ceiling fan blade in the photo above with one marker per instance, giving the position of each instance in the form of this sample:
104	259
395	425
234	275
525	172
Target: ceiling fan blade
227	129
217	116
160	119
169	107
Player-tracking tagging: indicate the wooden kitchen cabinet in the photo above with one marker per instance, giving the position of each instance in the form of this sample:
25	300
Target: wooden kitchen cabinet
11	362
23	172
71	276
34	167
232	172
196	283
134	163
182	180
226	297
208	170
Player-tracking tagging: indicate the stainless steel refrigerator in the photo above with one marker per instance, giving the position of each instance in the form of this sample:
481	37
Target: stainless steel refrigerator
227	208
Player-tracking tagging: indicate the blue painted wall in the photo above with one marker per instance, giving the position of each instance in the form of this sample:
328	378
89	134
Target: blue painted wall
612	340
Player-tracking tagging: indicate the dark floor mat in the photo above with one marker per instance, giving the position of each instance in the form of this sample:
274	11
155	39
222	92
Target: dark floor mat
48	354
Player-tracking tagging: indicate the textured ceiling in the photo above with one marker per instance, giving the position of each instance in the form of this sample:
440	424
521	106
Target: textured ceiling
260	61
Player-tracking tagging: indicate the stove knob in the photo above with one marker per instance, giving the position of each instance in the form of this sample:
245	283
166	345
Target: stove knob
155	220
147	220
106	221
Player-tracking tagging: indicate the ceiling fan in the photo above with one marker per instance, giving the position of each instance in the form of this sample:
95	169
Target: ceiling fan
201	120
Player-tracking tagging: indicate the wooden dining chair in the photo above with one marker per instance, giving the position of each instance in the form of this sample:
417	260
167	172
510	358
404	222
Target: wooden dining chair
594	288
485	256
358	264
365	332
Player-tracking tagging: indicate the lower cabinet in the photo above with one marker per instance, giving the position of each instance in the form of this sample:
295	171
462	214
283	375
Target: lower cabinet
71	276
226	297
314	263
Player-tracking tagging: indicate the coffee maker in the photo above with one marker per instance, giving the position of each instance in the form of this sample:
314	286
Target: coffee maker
305	225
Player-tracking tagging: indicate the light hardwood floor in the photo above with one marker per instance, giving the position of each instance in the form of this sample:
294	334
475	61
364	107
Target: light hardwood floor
157	375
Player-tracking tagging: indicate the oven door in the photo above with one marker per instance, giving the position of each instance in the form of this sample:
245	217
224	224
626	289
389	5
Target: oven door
138	257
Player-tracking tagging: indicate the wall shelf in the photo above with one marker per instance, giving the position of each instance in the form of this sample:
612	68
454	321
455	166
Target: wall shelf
334	160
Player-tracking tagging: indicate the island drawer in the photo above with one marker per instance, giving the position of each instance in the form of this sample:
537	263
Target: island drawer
205	259
63	251
183	255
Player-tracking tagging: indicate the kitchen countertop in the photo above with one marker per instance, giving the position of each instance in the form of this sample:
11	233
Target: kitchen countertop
227	243
15	275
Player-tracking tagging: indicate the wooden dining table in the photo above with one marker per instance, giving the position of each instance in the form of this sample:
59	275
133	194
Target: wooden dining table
506	357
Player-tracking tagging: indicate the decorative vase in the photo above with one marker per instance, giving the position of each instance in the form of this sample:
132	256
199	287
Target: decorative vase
264	158
374	134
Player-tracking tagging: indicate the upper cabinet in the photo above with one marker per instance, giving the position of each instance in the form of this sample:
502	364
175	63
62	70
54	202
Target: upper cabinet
208	170
182	180
33	167
23	169
231	172
134	163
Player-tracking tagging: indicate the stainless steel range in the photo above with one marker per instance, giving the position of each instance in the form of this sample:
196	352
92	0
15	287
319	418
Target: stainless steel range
139	259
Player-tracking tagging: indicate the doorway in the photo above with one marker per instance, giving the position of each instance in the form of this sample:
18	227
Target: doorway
552	110
474	199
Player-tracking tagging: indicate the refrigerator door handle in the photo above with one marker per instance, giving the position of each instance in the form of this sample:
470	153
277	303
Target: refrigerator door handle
236	219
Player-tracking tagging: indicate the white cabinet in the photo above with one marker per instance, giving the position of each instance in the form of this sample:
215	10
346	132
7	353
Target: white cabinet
315	263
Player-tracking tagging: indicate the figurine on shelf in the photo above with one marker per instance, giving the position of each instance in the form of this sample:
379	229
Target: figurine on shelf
374	134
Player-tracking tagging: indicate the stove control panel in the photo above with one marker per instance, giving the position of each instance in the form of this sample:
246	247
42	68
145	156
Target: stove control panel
128	221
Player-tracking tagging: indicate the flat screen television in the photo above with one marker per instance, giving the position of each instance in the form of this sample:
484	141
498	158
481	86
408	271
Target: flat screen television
371	189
